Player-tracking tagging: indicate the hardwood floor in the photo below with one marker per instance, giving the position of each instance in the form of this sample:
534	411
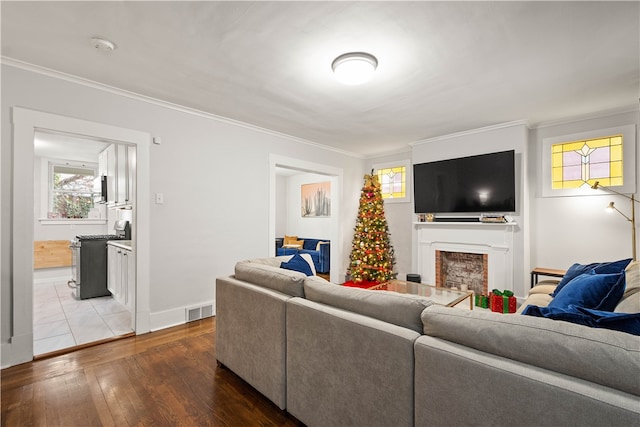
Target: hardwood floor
164	378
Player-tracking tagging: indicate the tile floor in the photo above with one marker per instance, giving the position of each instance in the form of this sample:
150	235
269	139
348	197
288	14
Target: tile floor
60	321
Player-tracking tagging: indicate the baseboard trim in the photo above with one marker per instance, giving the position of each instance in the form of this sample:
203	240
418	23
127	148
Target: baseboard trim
175	316
18	350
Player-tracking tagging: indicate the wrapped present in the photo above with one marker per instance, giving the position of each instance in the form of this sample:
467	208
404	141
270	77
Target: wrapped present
502	301
482	301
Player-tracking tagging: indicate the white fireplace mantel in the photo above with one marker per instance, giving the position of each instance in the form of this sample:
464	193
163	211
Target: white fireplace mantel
493	239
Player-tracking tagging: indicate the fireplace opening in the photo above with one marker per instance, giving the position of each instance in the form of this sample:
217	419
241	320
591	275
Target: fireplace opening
456	269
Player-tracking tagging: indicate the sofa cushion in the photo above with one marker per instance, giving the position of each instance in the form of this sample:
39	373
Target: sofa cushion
598	355
629	304
624	322
319	280
272	261
598	267
261	272
297	263
290	239
399	309
597	291
632	275
544	287
292	246
539	300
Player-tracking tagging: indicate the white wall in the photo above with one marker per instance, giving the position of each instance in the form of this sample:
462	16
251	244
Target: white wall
577	229
214	175
316	228
508	136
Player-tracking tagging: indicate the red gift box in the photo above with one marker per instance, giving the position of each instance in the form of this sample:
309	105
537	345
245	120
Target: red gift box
502	302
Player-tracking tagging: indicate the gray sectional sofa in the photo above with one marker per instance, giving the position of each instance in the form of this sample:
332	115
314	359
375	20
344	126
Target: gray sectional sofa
336	356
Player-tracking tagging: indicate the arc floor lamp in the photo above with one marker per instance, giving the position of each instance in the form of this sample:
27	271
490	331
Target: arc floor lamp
597	186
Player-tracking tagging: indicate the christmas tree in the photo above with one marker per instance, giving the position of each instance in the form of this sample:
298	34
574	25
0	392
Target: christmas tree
372	256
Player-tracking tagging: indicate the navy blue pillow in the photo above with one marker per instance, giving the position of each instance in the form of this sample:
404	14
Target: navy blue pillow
623	322
599	267
597	291
297	263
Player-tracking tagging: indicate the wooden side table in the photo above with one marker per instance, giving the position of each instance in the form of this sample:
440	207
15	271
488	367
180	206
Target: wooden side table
540	271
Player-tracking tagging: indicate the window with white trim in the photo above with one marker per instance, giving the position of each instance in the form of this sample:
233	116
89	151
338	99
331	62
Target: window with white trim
72	190
571	164
394	181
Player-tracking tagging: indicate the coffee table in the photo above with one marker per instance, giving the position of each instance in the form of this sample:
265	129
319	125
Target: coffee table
441	296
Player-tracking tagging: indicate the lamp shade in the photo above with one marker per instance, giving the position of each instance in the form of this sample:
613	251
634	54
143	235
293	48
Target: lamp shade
354	68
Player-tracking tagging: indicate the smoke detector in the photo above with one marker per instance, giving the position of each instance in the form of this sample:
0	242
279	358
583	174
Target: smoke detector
103	44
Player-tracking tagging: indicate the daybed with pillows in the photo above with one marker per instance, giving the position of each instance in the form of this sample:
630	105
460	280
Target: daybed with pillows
319	249
334	356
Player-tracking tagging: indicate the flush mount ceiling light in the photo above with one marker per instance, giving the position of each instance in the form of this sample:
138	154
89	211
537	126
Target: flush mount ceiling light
354	68
103	44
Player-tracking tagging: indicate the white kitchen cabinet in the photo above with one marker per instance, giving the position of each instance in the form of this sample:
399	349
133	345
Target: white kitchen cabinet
129	278
111	156
102	163
121	280
117	163
123	176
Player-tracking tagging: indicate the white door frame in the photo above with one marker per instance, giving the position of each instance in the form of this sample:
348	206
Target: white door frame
336	196
25	122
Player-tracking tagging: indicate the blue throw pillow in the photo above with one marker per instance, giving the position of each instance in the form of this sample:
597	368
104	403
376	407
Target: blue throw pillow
623	322
297	263
599	267
597	291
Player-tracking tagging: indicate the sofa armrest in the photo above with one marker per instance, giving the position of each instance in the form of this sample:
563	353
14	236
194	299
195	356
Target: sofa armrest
251	335
325	257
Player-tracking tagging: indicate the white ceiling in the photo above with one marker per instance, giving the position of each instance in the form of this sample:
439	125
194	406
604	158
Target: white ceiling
67	147
444	67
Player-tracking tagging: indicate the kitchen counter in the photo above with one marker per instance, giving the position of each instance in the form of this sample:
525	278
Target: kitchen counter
124	244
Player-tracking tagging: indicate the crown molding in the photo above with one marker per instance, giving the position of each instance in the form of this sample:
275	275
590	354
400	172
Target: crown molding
589	116
524	123
388	153
5	60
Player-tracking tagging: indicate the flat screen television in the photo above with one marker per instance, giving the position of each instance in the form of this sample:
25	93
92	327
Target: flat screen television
483	183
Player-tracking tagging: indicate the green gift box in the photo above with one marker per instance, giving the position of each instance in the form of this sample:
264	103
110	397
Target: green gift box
482	301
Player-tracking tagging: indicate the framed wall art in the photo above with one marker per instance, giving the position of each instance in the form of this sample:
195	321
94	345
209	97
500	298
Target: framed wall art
316	200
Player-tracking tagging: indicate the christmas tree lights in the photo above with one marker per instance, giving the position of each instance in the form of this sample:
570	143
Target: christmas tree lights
372	256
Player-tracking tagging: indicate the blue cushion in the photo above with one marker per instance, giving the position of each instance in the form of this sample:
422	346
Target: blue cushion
600	268
597	291
297	263
624	322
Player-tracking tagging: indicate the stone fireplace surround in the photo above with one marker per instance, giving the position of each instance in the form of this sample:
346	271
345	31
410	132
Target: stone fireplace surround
495	240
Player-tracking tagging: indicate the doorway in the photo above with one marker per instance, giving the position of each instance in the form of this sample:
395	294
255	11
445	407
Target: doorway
280	166
25	124
68	173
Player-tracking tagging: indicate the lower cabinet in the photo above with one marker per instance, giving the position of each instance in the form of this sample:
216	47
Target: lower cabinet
121	280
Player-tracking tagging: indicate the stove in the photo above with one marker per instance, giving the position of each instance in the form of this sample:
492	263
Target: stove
89	262
100	237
